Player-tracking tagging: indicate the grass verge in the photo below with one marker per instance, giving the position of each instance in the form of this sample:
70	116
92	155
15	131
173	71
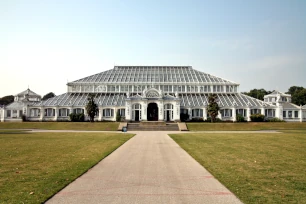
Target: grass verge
98	126
258	168
35	166
245	126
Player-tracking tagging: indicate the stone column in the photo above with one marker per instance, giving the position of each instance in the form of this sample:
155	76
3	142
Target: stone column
248	115
301	114
190	113
263	111
160	111
204	114
100	114
42	113
128	111
234	114
56	114
144	107
2	112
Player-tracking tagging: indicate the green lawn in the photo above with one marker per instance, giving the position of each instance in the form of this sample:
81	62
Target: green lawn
258	168
102	126
245	126
34	166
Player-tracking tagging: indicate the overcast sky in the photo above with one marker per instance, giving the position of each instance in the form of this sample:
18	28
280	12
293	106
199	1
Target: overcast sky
44	44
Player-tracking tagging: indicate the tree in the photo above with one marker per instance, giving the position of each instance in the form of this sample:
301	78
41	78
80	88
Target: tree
257	93
48	95
298	95
299	98
213	107
6	100
294	89
91	107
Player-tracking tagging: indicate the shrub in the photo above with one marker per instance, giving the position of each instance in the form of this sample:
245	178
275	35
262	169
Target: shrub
197	120
24	117
184	117
274	120
240	118
257	118
217	120
77	117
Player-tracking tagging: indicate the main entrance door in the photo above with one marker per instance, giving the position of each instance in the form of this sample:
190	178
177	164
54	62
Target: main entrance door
152	112
136	115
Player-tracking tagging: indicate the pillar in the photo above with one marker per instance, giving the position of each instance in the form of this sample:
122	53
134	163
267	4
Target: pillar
56	114
42	113
100	114
204	114
234	114
160	111
190	113
144	107
301	114
128	111
2	112
248	114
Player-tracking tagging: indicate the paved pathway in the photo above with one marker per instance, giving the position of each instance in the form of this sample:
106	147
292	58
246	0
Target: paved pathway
149	168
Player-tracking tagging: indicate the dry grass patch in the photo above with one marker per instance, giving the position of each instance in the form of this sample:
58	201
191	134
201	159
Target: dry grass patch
98	126
258	168
34	166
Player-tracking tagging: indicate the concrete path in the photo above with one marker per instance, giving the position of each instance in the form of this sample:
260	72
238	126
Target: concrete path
149	168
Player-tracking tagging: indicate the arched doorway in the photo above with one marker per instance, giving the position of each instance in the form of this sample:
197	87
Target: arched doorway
152	112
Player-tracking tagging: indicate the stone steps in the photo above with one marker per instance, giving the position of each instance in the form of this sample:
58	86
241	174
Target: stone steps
138	127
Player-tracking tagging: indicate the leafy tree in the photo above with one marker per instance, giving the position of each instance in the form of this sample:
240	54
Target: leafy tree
91	107
299	98
213	107
257	93
298	94
6	100
294	89
48	95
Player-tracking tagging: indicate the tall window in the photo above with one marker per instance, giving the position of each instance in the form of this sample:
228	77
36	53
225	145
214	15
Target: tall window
270	112
226	112
35	112
197	112
296	114
122	112
241	112
289	114
8	113
49	112
108	112
284	114
63	112
78	110
255	111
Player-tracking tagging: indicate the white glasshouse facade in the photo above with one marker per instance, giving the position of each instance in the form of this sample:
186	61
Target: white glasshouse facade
151	93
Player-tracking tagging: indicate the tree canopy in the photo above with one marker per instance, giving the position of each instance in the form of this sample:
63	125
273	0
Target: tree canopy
6	100
213	107
48	95
91	107
298	95
257	93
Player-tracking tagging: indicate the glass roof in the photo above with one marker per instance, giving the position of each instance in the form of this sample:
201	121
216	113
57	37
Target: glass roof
153	74
187	100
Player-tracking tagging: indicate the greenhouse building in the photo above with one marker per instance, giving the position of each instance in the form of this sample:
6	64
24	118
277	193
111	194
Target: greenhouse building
151	93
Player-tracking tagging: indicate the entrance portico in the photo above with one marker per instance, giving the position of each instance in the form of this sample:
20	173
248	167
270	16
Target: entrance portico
152	105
